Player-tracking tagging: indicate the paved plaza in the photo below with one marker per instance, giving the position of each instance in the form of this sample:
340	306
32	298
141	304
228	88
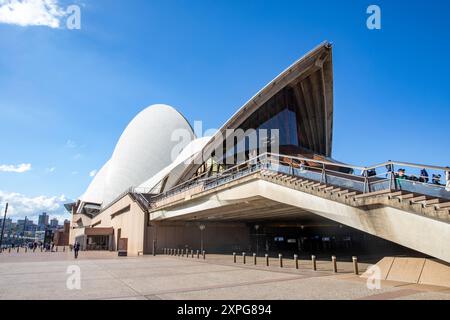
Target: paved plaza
105	276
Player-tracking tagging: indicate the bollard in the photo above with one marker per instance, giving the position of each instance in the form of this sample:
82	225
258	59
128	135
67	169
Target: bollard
244	260
296	261
355	265
333	259
192	254
18	249
182	253
198	254
234	257
267	259
56	249
204	254
9	250
254	259
280	257
64	249
41	249
26	249
314	264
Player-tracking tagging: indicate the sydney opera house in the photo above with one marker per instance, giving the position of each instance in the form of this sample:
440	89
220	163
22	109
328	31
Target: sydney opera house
285	193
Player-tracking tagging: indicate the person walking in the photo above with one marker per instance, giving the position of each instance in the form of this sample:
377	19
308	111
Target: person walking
76	248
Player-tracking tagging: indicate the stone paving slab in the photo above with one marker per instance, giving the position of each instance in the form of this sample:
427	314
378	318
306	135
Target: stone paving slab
44	276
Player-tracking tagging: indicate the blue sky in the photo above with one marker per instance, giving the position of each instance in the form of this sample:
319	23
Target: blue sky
66	95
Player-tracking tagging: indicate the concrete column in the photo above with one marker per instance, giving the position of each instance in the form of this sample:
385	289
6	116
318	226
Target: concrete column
243	258
296	261
333	259
254	259
355	265
314	264
234	257
280	258
267	259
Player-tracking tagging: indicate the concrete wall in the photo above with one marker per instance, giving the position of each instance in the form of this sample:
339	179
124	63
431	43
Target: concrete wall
217	237
413	270
132	224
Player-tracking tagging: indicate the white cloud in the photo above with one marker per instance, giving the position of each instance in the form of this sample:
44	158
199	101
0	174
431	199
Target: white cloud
70	143
21	168
50	170
31	12
92	173
21	206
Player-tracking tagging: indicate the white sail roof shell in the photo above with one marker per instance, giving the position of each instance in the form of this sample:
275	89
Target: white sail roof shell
144	149
175	169
94	193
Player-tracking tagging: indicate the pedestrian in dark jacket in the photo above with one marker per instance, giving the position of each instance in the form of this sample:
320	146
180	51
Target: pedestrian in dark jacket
76	248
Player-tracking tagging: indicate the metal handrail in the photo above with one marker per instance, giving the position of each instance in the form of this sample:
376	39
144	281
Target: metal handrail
265	158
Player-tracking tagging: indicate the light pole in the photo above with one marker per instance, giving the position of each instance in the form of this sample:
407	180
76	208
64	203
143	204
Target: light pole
257	235
3	226
202	227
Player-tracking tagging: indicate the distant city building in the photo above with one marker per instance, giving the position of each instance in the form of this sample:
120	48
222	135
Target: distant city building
43	221
54	223
61	236
39	236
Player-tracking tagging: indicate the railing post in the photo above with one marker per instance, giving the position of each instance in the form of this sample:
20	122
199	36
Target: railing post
355	265
314	264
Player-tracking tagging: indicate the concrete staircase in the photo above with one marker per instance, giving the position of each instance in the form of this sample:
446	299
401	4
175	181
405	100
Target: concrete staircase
430	207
